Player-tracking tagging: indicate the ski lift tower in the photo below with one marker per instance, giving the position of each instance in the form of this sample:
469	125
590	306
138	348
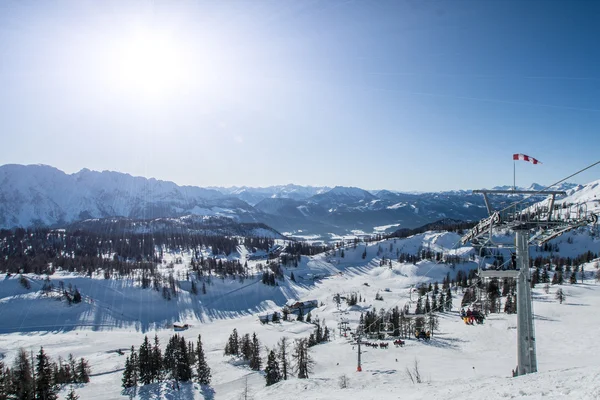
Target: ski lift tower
533	224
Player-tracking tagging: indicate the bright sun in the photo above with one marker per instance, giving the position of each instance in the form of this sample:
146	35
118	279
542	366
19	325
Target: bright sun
149	64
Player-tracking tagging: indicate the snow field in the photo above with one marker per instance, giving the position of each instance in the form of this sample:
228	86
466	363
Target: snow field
467	362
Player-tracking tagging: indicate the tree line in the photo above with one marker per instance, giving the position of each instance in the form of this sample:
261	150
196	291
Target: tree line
181	362
40	378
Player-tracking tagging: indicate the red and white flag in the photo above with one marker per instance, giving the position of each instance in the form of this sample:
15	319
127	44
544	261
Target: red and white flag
526	158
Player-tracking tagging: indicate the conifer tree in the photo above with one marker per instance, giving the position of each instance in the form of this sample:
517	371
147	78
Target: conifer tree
232	347
300	315
255	361
184	369
419	307
4	382
246	347
73	368
44	382
22	375
144	357
83	371
130	374
72	395
272	374
203	370
573	278
156	361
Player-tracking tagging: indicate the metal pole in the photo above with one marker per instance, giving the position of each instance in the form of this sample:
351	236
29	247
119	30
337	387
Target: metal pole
514	175
526	354
359	367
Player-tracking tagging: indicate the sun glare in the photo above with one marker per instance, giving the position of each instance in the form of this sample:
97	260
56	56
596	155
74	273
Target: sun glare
149	64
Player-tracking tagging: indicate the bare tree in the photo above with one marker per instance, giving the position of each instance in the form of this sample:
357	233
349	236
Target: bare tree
414	374
560	295
283	354
344	381
303	361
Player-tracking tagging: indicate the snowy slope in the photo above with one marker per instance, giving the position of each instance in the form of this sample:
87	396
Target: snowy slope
467	362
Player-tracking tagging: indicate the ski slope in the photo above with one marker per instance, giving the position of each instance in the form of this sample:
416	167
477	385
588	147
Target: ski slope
461	361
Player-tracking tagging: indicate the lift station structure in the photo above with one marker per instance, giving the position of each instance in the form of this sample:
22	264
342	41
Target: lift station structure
533	225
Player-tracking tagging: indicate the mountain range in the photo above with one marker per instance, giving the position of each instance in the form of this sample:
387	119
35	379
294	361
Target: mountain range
33	195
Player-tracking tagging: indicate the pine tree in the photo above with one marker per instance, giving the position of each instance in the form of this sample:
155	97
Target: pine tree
300	315
282	353
72	369
232	347
292	277
573	278
76	296
203	370
72	395
272	374
83	371
255	361
130	374
22	376
419	307
4	382
246	347
308	317
44	382
448	300
170	357
156	361
144	357
275	318
184	369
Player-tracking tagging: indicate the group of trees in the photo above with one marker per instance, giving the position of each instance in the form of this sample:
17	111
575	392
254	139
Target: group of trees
245	347
42	250
39	378
181	362
321	333
489	295
278	367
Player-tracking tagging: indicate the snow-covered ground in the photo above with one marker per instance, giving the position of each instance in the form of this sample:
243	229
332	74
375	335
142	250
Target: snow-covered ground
466	362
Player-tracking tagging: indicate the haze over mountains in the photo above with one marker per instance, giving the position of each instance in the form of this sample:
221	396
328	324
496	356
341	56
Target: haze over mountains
43	195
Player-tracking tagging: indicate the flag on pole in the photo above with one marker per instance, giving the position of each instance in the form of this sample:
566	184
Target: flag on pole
523	157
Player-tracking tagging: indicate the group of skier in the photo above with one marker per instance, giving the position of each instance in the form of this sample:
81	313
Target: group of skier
470	317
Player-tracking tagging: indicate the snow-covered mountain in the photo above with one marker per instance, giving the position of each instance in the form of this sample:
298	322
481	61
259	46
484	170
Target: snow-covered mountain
255	195
39	194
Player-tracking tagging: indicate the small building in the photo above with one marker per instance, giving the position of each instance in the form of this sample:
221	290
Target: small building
180	327
265	319
294	306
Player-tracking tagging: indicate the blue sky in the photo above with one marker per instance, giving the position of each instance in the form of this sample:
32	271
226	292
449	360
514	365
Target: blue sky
404	95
